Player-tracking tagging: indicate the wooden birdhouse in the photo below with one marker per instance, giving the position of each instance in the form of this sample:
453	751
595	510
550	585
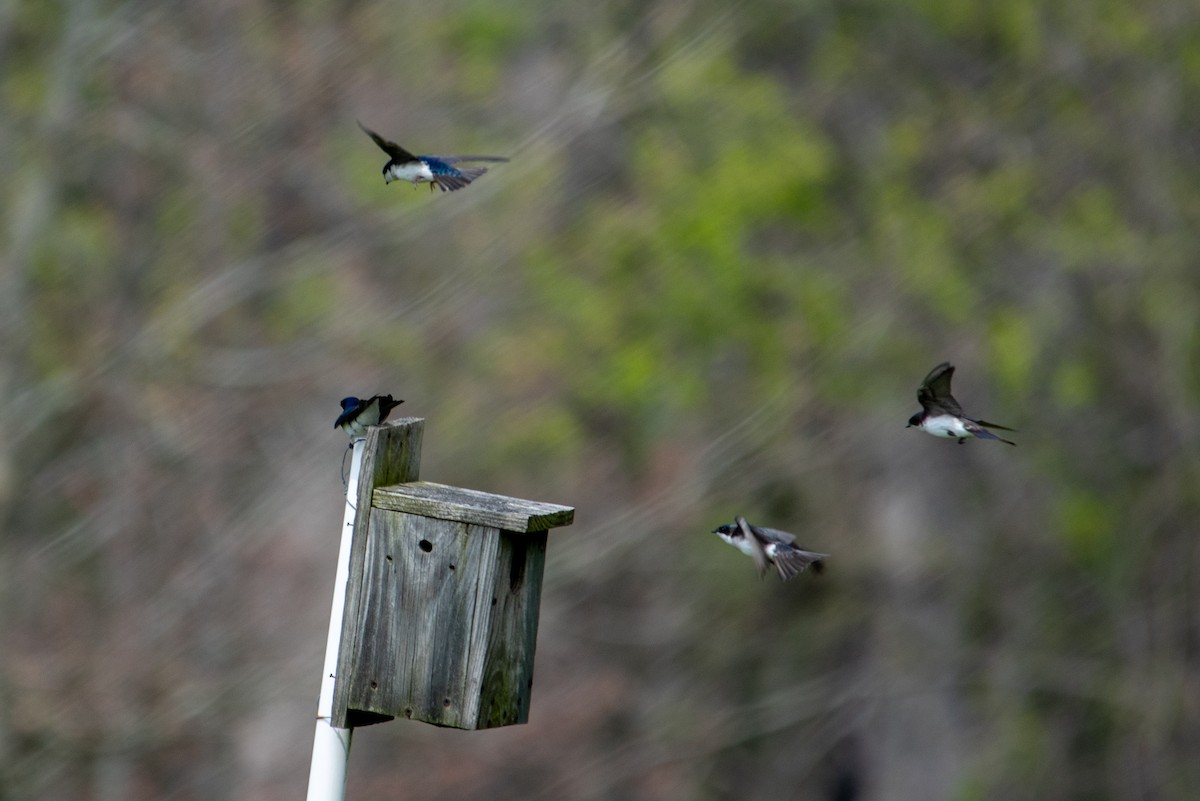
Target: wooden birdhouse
441	610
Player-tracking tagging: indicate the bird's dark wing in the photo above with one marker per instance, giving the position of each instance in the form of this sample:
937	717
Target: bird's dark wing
982	433
793	561
756	546
934	392
350	411
450	181
386	404
456	159
993	425
391	148
766	535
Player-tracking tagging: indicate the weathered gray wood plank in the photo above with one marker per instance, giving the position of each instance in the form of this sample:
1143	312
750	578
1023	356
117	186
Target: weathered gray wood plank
432	607
391	454
472	506
512	641
443	597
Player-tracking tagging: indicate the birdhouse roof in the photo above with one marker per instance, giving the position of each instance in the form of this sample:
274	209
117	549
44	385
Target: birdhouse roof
471	506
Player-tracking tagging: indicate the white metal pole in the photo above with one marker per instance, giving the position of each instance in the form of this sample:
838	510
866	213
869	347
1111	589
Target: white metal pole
331	746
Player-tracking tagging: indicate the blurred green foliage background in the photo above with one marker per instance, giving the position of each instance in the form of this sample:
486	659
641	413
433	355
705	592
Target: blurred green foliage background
730	242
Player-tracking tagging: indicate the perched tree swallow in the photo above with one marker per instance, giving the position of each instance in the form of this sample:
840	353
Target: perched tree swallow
357	414
767	546
437	171
940	413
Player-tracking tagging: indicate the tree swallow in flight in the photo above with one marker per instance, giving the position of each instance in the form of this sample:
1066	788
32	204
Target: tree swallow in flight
767	546
357	414
437	171
940	413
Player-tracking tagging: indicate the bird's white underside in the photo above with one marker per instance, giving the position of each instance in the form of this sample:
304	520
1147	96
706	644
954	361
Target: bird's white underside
744	545
740	543
415	172
945	425
366	418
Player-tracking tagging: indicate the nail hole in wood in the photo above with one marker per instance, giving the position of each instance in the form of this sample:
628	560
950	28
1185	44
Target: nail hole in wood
425	545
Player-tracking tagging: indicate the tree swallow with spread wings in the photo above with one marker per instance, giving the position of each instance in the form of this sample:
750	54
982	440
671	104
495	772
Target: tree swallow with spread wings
768	546
437	171
940	413
359	414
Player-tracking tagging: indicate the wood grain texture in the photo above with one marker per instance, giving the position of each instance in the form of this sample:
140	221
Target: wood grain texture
472	506
443	598
424	656
450	628
391	454
507	685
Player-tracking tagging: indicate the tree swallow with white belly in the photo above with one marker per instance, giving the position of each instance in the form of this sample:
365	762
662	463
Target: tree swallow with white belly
940	413
768	546
359	414
437	171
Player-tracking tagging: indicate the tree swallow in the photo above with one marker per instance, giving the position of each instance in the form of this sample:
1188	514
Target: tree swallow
767	546
437	171
357	414
940	413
